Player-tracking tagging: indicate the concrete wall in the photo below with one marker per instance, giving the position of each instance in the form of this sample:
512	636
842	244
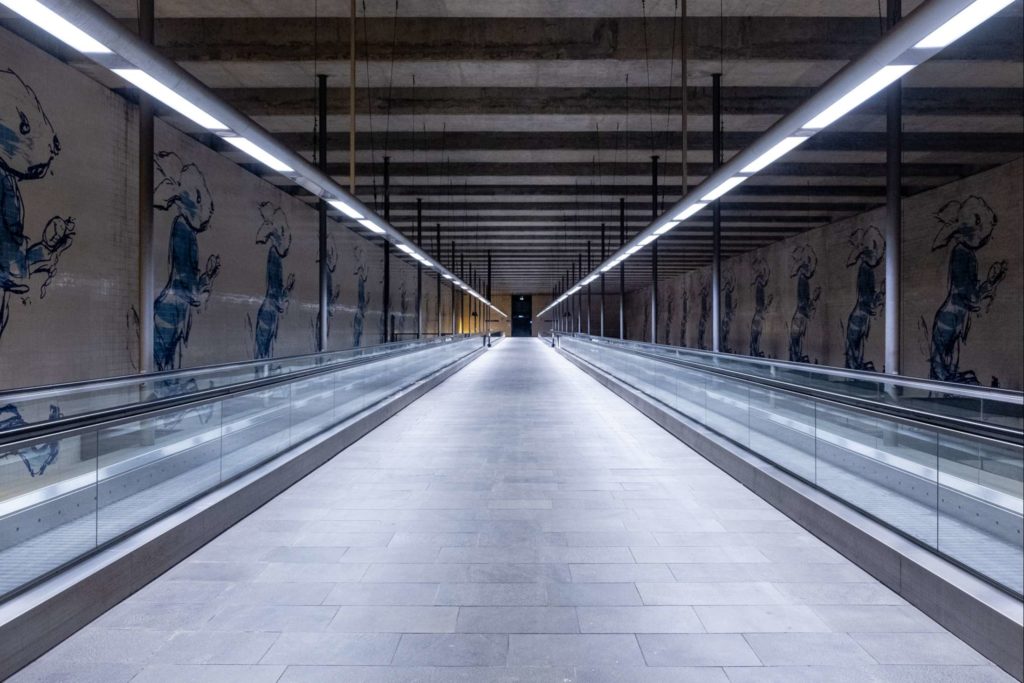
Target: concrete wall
818	297
236	258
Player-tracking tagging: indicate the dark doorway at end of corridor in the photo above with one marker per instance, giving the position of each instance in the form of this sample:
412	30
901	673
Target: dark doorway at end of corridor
522	315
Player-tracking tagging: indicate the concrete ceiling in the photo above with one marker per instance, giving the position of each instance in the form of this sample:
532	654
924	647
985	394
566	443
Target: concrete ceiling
520	134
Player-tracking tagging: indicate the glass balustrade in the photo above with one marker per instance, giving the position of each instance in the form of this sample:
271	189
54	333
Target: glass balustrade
69	490
955	492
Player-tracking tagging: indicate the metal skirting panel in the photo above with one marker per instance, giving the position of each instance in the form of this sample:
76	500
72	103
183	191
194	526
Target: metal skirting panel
36	621
984	617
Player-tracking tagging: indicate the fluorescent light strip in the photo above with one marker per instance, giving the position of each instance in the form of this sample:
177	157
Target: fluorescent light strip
723	188
609	266
259	154
446	276
688	211
787	145
665	228
632	250
371	226
344	208
147	83
405	248
965	21
647	240
871	86
57	26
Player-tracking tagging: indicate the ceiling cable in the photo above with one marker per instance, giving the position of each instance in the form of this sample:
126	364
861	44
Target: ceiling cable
391	77
369	108
647	66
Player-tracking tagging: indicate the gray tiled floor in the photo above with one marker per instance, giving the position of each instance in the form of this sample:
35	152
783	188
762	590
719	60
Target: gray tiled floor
519	523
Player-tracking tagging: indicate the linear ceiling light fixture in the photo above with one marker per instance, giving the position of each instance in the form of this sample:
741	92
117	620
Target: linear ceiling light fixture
143	81
914	40
873	85
725	186
785	147
87	28
57	26
962	23
259	154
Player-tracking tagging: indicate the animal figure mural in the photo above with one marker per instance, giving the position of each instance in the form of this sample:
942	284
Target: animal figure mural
333	291
965	228
803	263
37	457
403	309
762	302
182	191
28	147
684	314
728	310
362	297
867	251
705	313
276	234
670	304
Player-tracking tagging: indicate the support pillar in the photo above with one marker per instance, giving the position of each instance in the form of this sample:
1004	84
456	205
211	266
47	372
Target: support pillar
387	253
894	211
453	287
579	295
439	278
145	216
622	269
603	257
590	300
352	98
654	252
419	269
324	273
716	239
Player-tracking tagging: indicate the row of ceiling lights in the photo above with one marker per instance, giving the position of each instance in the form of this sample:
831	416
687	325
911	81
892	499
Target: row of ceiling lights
170	85
916	39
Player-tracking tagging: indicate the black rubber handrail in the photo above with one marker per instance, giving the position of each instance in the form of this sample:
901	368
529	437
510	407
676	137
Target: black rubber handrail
122	413
911	416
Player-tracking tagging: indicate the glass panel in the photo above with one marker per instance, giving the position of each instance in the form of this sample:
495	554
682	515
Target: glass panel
62	496
957	493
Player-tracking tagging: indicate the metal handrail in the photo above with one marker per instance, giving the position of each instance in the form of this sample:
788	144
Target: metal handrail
103	382
196	398
910	416
965	390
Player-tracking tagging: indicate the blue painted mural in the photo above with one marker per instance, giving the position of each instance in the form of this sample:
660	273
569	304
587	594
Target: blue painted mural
670	304
362	296
762	302
803	263
705	313
276	234
333	291
28	146
684	314
965	228
38	457
867	252
182	191
728	310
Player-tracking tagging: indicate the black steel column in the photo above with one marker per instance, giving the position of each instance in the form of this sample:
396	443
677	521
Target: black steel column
463	327
894	211
603	256
452	285
590	299
487	309
145	215
324	274
579	295
622	269
654	252
419	269
716	244
387	252
439	281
